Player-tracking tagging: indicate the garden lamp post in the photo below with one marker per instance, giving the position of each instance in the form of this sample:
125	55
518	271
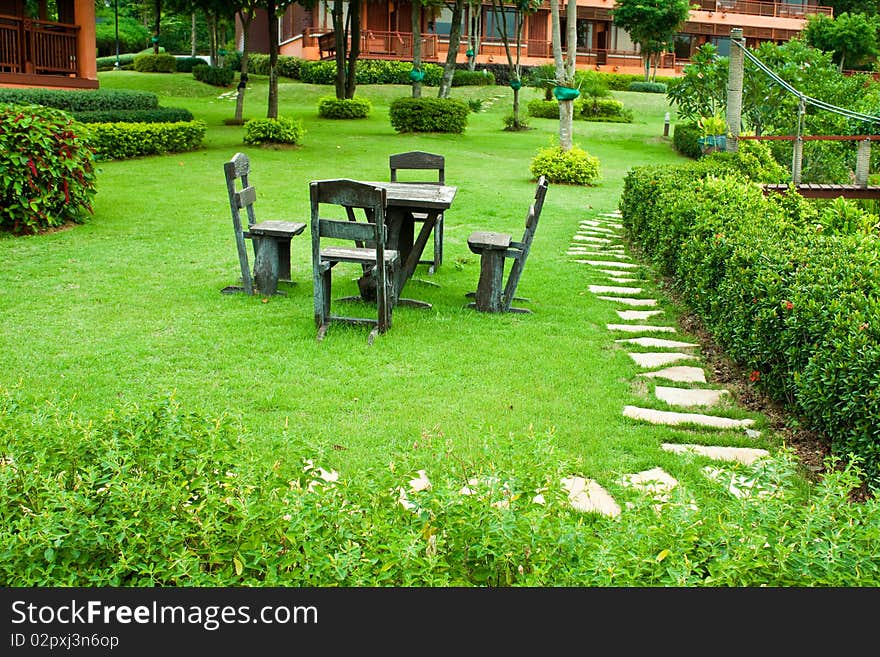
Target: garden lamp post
116	18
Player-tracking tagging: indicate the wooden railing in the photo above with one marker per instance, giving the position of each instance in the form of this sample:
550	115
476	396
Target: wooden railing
38	47
776	9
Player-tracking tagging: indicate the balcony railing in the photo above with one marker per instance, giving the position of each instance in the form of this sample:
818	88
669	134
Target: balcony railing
37	47
775	9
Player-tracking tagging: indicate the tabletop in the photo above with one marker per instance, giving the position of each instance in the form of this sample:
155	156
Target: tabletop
417	195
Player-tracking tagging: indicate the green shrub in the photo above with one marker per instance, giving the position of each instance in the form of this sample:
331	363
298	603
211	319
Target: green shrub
82	101
273	131
47	175
217	76
315	72
463	77
574	166
603	109
150	63
187	64
258	63
289	67
428	115
647	87
158	115
109	63
543	109
118	141
686	139
344	108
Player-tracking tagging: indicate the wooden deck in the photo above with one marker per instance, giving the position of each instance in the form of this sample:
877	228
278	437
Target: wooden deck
816	190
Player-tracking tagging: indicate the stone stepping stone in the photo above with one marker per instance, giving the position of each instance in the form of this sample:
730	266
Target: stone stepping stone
599	253
744	455
637	315
610	263
659	358
588	496
590	238
689	396
618	279
658	342
596	227
655	480
674	418
612	289
680	373
640	328
630	301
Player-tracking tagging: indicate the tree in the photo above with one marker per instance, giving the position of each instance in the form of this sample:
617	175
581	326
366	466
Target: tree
346	29
652	24
852	38
565	68
452	51
500	14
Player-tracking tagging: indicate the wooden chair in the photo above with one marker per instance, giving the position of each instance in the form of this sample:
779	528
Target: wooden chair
494	249
368	250
419	160
271	239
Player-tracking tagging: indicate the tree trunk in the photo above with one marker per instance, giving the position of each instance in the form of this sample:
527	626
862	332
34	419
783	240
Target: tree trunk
341	38
246	19
156	25
272	112
416	48
474	39
452	53
193	35
354	17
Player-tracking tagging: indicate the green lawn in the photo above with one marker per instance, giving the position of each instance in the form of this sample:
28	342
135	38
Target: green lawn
126	310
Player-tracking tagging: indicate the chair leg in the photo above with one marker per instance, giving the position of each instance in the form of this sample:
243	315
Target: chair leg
322	284
266	265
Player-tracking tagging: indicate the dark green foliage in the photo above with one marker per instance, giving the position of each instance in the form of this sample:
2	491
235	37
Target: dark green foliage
685	139
82	101
347	108
116	141
158	115
47	175
217	76
186	64
273	131
150	63
647	87
428	115
574	166
463	78
603	109
790	288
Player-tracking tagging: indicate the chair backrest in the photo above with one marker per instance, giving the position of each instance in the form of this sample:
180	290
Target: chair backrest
351	195
243	196
525	245
418	160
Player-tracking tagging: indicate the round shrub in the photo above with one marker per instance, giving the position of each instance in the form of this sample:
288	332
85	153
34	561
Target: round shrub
217	76
543	109
187	64
47	175
343	108
603	109
150	63
574	166
647	87
464	78
273	131
428	115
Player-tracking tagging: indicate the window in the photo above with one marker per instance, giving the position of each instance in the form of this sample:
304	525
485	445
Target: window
493	22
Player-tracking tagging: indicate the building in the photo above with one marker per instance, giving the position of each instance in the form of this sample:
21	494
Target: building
387	32
53	46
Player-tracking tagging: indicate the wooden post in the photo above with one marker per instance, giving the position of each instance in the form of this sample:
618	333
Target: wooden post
863	161
734	88
797	155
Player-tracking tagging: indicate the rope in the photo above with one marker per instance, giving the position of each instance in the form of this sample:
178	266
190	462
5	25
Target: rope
803	97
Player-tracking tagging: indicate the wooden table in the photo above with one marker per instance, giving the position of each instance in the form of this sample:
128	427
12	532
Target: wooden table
404	199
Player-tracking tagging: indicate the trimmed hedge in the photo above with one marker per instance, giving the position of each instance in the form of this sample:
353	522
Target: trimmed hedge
603	109
150	63
647	87
158	115
543	109
108	63
464	78
574	166
345	108
273	131
789	287
218	76
187	64
428	115
82	101
685	139
117	141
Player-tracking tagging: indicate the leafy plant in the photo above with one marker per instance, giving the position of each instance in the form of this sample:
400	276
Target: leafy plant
47	172
711	126
273	131
574	166
330	107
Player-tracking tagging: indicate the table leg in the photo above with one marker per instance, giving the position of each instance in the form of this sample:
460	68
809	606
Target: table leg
489	289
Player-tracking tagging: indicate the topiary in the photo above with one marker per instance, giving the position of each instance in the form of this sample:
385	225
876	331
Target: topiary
47	174
343	108
574	166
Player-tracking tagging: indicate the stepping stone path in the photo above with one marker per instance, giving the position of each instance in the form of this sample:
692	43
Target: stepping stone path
602	237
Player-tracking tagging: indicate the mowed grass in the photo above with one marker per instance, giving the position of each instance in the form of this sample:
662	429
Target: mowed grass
128	308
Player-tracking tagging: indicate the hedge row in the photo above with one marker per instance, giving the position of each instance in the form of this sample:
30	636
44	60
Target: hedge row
428	115
116	141
789	287
595	109
158	115
82	101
